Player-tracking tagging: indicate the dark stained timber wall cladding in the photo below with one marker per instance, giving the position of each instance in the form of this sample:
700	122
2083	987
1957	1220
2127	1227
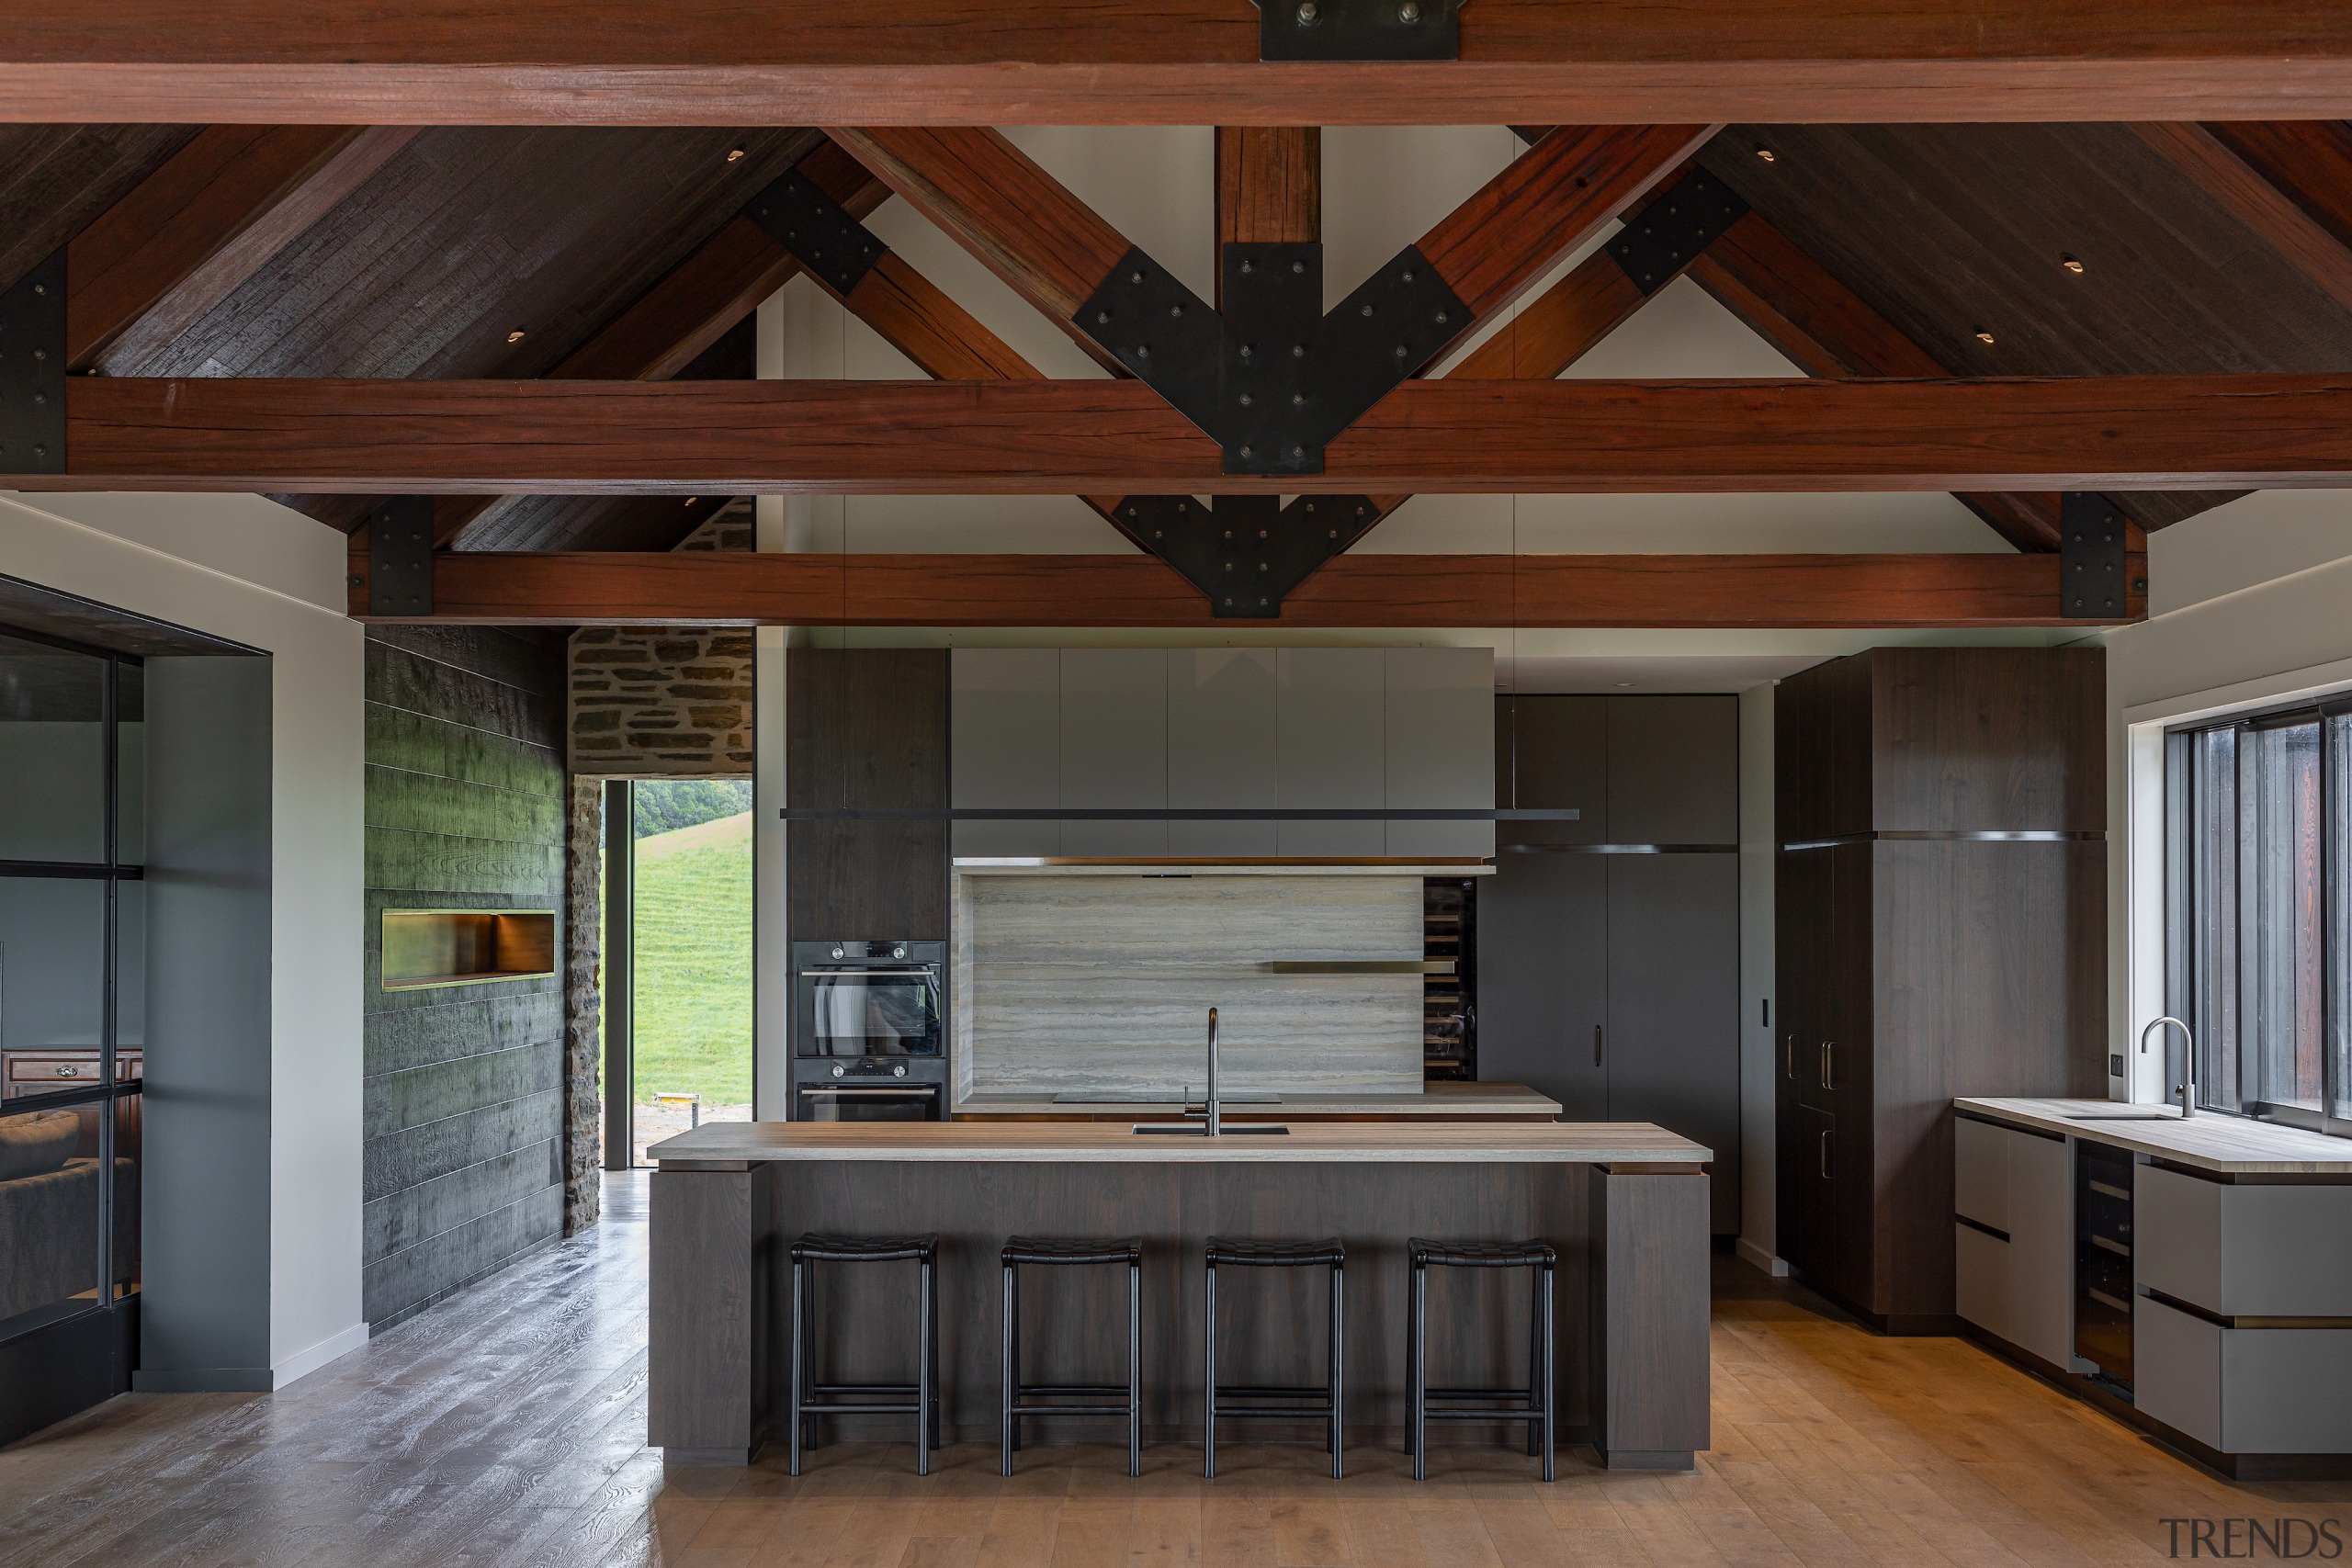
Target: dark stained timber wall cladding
465	1095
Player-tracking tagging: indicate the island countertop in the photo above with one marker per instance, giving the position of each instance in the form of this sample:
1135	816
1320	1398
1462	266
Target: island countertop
1438	1102
1102	1143
2236	1145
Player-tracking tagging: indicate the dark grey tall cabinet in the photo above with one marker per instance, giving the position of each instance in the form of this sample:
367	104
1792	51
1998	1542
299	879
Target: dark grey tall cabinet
1608	946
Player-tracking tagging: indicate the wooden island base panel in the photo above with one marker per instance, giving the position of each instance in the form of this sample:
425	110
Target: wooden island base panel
1625	1204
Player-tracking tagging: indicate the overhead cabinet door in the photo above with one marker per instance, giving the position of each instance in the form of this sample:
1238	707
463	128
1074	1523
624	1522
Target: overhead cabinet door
1005	744
1332	730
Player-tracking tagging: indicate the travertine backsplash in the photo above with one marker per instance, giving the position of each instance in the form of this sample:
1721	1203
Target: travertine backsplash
1103	983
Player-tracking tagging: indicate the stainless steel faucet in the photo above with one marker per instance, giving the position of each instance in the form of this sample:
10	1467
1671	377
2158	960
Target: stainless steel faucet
1216	1121
2187	1060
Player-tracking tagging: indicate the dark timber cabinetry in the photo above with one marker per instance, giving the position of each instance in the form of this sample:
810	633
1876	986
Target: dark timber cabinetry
1922	956
1608	946
866	727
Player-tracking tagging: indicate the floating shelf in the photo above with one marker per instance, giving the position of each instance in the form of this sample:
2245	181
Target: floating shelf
466	947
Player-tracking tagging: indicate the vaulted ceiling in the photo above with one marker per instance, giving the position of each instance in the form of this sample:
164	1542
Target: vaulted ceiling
493	253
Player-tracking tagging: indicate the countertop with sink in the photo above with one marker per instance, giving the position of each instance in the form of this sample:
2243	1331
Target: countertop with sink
1438	1101
2227	1144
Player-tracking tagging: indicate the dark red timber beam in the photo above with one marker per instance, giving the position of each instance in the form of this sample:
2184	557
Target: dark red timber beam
1116	437
1355	590
1189	63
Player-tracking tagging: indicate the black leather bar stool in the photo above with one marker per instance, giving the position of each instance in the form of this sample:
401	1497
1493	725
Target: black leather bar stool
1327	1254
1533	1404
811	1395
1072	1251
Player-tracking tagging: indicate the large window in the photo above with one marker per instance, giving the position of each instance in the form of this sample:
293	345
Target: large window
2259	884
72	969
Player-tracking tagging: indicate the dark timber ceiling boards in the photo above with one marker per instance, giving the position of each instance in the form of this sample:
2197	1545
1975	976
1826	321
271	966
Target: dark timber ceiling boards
55	179
1951	230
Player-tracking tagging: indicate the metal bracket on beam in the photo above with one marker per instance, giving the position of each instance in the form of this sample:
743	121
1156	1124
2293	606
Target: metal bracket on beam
1273	380
818	231
1359	29
2092	581
1668	234
399	556
32	371
1246	551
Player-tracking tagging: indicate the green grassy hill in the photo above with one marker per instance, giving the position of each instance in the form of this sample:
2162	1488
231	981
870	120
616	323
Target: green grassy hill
694	961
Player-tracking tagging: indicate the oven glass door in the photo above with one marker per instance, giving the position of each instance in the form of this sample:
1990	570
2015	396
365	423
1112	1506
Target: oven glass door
910	1103
872	1012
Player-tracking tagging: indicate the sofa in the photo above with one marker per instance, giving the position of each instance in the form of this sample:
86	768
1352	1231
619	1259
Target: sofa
49	1214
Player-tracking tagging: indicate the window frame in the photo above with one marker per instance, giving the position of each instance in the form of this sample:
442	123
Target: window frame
2186	923
109	1090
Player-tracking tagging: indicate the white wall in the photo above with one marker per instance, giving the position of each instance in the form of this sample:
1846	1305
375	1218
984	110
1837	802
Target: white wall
2257	601
182	559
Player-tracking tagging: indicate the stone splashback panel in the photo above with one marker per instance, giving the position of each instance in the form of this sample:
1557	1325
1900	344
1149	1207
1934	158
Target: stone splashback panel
1103	985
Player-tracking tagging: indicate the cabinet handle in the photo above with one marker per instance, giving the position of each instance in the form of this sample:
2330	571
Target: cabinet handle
1596	1045
1829	1064
1789	1056
1825	1155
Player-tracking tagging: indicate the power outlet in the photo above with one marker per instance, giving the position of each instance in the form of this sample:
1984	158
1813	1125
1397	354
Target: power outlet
2114	1065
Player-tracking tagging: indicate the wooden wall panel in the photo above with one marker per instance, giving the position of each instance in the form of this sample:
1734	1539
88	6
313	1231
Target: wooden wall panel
464	1104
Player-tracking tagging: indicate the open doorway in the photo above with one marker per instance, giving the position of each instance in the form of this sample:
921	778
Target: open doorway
678	963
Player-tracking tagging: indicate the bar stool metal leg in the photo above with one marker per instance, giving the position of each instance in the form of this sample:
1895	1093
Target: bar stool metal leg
1534	1356
926	1413
1208	1377
800	1354
1339	1377
1134	1368
1417	1430
1009	1326
1551	1444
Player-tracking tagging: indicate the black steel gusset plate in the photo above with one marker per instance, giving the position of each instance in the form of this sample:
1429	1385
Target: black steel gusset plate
1359	29
1269	395
1397	321
1162	331
817	229
1273	380
2092	578
399	556
1246	552
32	371
1668	235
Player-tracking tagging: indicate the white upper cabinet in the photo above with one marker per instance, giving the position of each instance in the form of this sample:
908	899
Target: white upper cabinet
1333	728
1438	746
1005	744
1114	746
1224	713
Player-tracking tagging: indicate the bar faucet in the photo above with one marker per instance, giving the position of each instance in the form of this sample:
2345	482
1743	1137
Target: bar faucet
2187	1061
1217	1123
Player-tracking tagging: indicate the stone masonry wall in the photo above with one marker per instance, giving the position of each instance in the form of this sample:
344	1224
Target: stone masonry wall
657	702
665	702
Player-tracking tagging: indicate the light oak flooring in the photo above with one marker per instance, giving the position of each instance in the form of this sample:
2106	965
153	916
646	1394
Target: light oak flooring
505	1427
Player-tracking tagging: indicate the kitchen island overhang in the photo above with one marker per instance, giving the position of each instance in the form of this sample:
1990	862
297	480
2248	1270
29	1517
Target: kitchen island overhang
1625	1204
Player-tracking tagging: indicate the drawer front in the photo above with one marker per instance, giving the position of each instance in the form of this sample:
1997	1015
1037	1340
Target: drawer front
2176	1363
2244	1250
1980	1172
1981	1286
2286	1391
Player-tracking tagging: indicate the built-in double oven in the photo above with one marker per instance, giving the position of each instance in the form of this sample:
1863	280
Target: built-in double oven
869	1032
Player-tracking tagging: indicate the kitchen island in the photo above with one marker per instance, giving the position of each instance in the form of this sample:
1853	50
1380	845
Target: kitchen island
1624	1204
